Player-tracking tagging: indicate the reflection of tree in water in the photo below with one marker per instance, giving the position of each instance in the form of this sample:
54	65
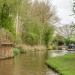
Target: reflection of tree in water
6	67
30	64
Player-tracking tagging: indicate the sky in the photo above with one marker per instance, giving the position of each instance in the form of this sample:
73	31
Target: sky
64	10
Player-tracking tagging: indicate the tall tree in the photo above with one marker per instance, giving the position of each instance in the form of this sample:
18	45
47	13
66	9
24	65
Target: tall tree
6	20
44	13
74	6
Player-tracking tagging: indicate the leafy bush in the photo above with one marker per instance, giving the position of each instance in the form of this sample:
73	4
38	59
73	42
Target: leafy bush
16	51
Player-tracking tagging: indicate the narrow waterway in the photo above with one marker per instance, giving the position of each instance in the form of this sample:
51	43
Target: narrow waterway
31	63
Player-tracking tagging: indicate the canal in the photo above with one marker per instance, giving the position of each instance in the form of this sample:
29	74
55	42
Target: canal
31	63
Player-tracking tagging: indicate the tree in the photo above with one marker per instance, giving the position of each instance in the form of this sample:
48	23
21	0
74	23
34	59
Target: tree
48	33
74	6
67	32
43	12
6	20
31	31
36	24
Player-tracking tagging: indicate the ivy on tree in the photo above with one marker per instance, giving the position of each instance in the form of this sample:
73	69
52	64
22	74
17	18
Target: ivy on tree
6	21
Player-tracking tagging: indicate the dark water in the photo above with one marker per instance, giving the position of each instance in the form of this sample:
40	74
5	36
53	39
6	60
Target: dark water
31	63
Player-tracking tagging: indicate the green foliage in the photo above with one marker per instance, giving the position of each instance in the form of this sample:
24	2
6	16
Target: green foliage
30	38
59	40
48	33
31	31
36	27
67	41
35	31
6	20
16	51
74	6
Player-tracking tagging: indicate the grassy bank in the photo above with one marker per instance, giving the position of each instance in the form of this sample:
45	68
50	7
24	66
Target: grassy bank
64	64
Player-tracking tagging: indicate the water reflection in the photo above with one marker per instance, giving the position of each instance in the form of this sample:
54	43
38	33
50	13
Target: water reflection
31	63
6	67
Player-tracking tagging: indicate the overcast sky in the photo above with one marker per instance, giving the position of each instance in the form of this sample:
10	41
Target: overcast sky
64	10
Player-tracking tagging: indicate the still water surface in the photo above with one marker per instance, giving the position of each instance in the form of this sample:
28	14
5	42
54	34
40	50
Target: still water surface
31	63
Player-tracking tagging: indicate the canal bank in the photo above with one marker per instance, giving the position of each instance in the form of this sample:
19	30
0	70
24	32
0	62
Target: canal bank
64	65
53	69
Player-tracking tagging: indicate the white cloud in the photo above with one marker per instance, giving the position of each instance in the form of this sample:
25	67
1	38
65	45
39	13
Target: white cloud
64	10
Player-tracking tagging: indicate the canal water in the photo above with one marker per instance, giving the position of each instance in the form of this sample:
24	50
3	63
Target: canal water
31	63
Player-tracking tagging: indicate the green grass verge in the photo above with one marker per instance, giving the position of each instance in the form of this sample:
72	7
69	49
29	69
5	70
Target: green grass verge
64	64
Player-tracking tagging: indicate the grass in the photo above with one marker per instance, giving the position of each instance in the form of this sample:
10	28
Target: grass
64	64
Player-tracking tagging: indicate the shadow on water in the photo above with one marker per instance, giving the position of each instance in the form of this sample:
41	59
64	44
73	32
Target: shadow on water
31	63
